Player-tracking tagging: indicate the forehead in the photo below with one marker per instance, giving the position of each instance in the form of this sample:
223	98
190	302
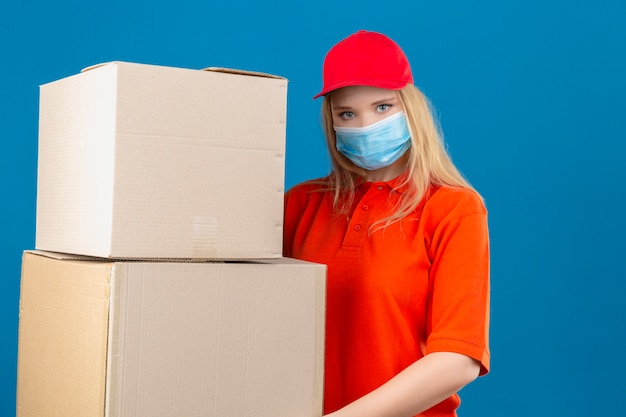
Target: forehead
356	95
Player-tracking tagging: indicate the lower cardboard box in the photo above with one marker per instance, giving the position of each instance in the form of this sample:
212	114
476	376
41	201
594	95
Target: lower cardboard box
134	338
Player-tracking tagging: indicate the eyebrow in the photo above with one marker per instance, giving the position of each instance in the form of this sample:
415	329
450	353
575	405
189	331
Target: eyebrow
375	103
385	100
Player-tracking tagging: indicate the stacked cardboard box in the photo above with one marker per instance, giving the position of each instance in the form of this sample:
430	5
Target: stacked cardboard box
158	287
143	161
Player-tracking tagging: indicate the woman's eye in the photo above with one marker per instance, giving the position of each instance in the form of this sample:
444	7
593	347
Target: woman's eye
347	115
383	107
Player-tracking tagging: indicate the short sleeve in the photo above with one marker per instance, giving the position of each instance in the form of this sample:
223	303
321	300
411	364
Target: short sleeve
458	247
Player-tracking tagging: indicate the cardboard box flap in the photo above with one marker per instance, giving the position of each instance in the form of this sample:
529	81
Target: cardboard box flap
101	64
66	256
243	72
213	69
75	257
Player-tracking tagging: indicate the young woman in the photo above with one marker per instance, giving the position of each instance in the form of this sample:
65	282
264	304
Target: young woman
405	239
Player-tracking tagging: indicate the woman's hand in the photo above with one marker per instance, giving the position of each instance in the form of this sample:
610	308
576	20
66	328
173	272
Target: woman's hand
420	386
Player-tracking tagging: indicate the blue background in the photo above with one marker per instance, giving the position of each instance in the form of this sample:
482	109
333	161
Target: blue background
532	99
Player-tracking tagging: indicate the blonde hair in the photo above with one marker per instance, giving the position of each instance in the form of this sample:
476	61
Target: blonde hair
427	164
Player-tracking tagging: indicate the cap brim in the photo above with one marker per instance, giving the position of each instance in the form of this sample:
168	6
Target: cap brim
388	85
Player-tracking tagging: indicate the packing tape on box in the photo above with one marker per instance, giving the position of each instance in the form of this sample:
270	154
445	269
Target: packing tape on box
204	237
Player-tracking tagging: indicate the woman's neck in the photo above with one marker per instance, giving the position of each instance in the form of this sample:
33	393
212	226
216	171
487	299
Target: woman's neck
387	173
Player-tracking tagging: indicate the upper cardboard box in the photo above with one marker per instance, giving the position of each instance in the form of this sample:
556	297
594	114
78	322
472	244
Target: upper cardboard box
146	161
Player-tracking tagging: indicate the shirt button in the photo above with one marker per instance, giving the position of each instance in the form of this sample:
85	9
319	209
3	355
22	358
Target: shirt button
365	207
357	227
380	188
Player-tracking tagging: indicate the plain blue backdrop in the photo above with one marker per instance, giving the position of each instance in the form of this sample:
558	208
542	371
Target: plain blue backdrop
531	96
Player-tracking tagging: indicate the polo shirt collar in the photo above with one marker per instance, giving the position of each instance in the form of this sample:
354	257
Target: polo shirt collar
394	184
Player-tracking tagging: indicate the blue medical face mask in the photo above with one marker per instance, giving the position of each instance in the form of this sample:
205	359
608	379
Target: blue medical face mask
377	145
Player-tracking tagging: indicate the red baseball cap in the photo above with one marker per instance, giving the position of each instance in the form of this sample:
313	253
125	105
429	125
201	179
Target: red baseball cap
366	58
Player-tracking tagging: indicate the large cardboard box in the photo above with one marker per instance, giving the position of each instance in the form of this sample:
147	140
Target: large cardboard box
149	339
148	161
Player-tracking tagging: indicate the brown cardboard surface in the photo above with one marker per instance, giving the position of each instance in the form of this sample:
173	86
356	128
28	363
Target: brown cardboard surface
145	161
63	337
158	338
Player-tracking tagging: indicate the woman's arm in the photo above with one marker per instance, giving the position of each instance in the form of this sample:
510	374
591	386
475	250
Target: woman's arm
420	386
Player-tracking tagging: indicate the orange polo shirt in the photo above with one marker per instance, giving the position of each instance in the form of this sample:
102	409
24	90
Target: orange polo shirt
421	285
